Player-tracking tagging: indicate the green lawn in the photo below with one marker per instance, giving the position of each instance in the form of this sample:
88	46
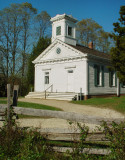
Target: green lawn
32	105
116	103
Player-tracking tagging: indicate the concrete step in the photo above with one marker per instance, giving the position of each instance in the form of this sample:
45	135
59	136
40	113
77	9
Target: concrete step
53	95
35	95
61	96
61	93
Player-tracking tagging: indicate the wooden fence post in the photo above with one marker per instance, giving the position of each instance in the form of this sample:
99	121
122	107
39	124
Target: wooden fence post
8	102
15	95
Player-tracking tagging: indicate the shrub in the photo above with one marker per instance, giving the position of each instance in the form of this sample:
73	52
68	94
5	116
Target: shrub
115	133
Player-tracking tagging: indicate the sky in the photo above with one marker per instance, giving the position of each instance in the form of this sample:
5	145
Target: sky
104	12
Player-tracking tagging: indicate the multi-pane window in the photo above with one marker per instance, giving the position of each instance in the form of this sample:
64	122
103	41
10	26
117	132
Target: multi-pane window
123	84
70	71
112	78
58	30
99	75
46	77
69	31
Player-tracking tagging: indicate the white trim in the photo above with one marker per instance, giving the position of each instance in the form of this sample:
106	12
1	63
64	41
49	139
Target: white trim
38	59
60	60
87	80
70	67
46	69
118	87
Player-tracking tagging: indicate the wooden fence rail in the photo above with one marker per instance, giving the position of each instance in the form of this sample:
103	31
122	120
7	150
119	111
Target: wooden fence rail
68	135
71	116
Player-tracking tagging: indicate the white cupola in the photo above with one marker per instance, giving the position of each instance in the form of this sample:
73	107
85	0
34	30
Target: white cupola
64	28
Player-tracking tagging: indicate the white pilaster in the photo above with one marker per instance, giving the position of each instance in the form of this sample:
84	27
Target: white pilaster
118	88
87	80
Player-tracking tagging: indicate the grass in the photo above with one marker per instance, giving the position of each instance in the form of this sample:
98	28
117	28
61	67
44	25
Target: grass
3	101
32	105
116	103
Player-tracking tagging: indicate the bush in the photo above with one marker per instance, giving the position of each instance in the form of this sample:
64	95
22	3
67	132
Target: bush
20	143
115	133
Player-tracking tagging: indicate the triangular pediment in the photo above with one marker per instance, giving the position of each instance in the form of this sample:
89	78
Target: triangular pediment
58	50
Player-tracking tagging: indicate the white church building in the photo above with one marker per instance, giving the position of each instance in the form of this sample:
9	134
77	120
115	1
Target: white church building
65	68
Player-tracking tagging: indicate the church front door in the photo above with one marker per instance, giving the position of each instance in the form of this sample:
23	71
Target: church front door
70	84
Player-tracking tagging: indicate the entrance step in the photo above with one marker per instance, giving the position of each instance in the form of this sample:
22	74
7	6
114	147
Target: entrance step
53	95
35	95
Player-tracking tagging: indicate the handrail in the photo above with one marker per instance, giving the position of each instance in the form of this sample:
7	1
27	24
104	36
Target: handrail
49	88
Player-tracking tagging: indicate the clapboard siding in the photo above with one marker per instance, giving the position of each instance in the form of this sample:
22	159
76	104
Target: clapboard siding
93	90
122	90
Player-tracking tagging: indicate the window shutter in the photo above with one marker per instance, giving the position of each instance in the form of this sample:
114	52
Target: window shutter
110	83
58	30
115	79
95	75
102	76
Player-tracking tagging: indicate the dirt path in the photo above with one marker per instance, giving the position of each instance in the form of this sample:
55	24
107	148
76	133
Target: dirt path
85	109
57	124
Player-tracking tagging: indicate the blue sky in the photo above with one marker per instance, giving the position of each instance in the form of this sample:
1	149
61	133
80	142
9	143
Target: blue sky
104	12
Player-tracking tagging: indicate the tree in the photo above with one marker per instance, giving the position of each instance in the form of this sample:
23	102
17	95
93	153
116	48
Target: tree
104	41
42	23
42	44
27	13
10	30
4	40
118	52
91	31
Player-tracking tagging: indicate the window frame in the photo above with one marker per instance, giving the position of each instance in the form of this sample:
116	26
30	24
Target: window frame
46	78
70	31
123	85
99	75
112	78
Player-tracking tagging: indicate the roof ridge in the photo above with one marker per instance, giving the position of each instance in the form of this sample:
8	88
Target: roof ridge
85	49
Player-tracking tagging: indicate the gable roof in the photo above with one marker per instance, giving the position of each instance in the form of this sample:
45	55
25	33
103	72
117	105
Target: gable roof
84	49
81	50
52	45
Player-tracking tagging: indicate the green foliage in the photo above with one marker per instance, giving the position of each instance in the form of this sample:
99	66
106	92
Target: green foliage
115	133
42	44
22	144
118	52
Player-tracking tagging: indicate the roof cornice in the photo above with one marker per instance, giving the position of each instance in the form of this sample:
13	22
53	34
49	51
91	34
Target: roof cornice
61	59
63	16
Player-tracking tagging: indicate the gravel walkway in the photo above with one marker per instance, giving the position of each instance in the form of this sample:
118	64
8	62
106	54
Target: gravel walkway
60	124
70	107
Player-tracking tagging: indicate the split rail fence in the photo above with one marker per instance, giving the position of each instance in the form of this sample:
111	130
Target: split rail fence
65	135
